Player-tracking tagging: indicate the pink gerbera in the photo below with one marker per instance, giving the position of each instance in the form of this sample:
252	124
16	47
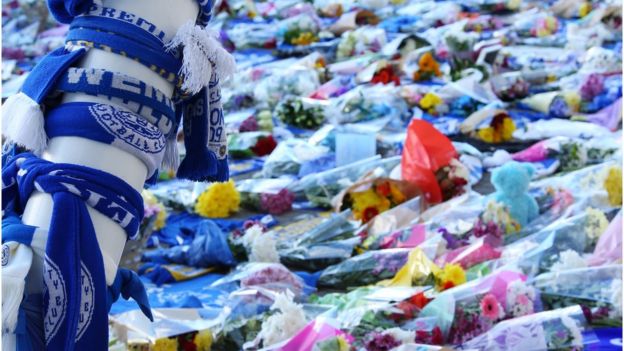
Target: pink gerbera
490	307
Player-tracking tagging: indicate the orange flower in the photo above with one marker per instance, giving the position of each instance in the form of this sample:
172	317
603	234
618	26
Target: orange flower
383	189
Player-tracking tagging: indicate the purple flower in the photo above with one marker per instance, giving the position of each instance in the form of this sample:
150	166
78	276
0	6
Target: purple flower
559	108
249	125
380	342
277	203
592	86
452	242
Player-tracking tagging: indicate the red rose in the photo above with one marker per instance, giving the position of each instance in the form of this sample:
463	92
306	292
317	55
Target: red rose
420	300
436	336
383	189
448	285
422	336
369	213
264	146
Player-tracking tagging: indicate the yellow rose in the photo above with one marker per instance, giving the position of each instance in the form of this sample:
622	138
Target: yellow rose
166	344
613	185
454	273
203	340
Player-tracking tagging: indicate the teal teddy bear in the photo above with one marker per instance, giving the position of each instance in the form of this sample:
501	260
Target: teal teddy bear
512	182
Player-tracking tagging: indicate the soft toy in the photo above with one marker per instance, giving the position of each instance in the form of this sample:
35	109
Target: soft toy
511	182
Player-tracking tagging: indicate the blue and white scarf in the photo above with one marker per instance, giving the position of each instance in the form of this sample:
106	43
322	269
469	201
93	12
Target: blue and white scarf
74	281
193	59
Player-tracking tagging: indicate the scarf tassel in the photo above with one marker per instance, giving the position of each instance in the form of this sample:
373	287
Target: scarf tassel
23	123
12	295
198	165
201	52
171	159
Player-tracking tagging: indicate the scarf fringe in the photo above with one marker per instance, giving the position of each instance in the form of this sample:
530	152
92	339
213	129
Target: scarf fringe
197	165
202	50
171	160
23	123
12	295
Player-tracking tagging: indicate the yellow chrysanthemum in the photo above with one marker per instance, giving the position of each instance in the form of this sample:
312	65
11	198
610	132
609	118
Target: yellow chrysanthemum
368	199
508	128
397	196
161	218
486	134
203	340
166	344
429	101
343	345
454	273
585	9
613	185
218	201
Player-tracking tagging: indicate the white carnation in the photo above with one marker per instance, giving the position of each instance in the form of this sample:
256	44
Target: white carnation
263	249
285	323
568	259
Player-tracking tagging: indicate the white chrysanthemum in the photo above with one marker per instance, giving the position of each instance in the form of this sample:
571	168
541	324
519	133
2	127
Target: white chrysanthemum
575	330
568	259
284	324
597	223
251	234
403	336
263	249
614	295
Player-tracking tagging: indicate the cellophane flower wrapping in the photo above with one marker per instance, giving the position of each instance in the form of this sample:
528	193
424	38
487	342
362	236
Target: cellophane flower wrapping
367	268
289	156
598	290
271	276
321	188
556	329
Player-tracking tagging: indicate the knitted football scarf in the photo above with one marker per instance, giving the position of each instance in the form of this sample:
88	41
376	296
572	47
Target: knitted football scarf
193	59
74	280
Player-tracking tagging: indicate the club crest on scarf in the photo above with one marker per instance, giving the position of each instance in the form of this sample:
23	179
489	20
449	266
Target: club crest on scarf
129	128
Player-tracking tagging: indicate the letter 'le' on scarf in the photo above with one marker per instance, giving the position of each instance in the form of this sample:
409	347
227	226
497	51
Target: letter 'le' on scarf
75	317
193	60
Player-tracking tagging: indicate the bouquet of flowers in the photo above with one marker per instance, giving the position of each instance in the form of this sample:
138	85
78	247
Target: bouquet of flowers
154	214
266	195
433	104
367	268
510	86
250	144
481	304
299	30
247	35
551	330
271	276
300	112
289	156
362	41
386	74
598	290
541	251
169	331
497	6
295	81
489	125
453	179
368	103
428	68
322	187
483	23
538	25
464	106
370	198
219	200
